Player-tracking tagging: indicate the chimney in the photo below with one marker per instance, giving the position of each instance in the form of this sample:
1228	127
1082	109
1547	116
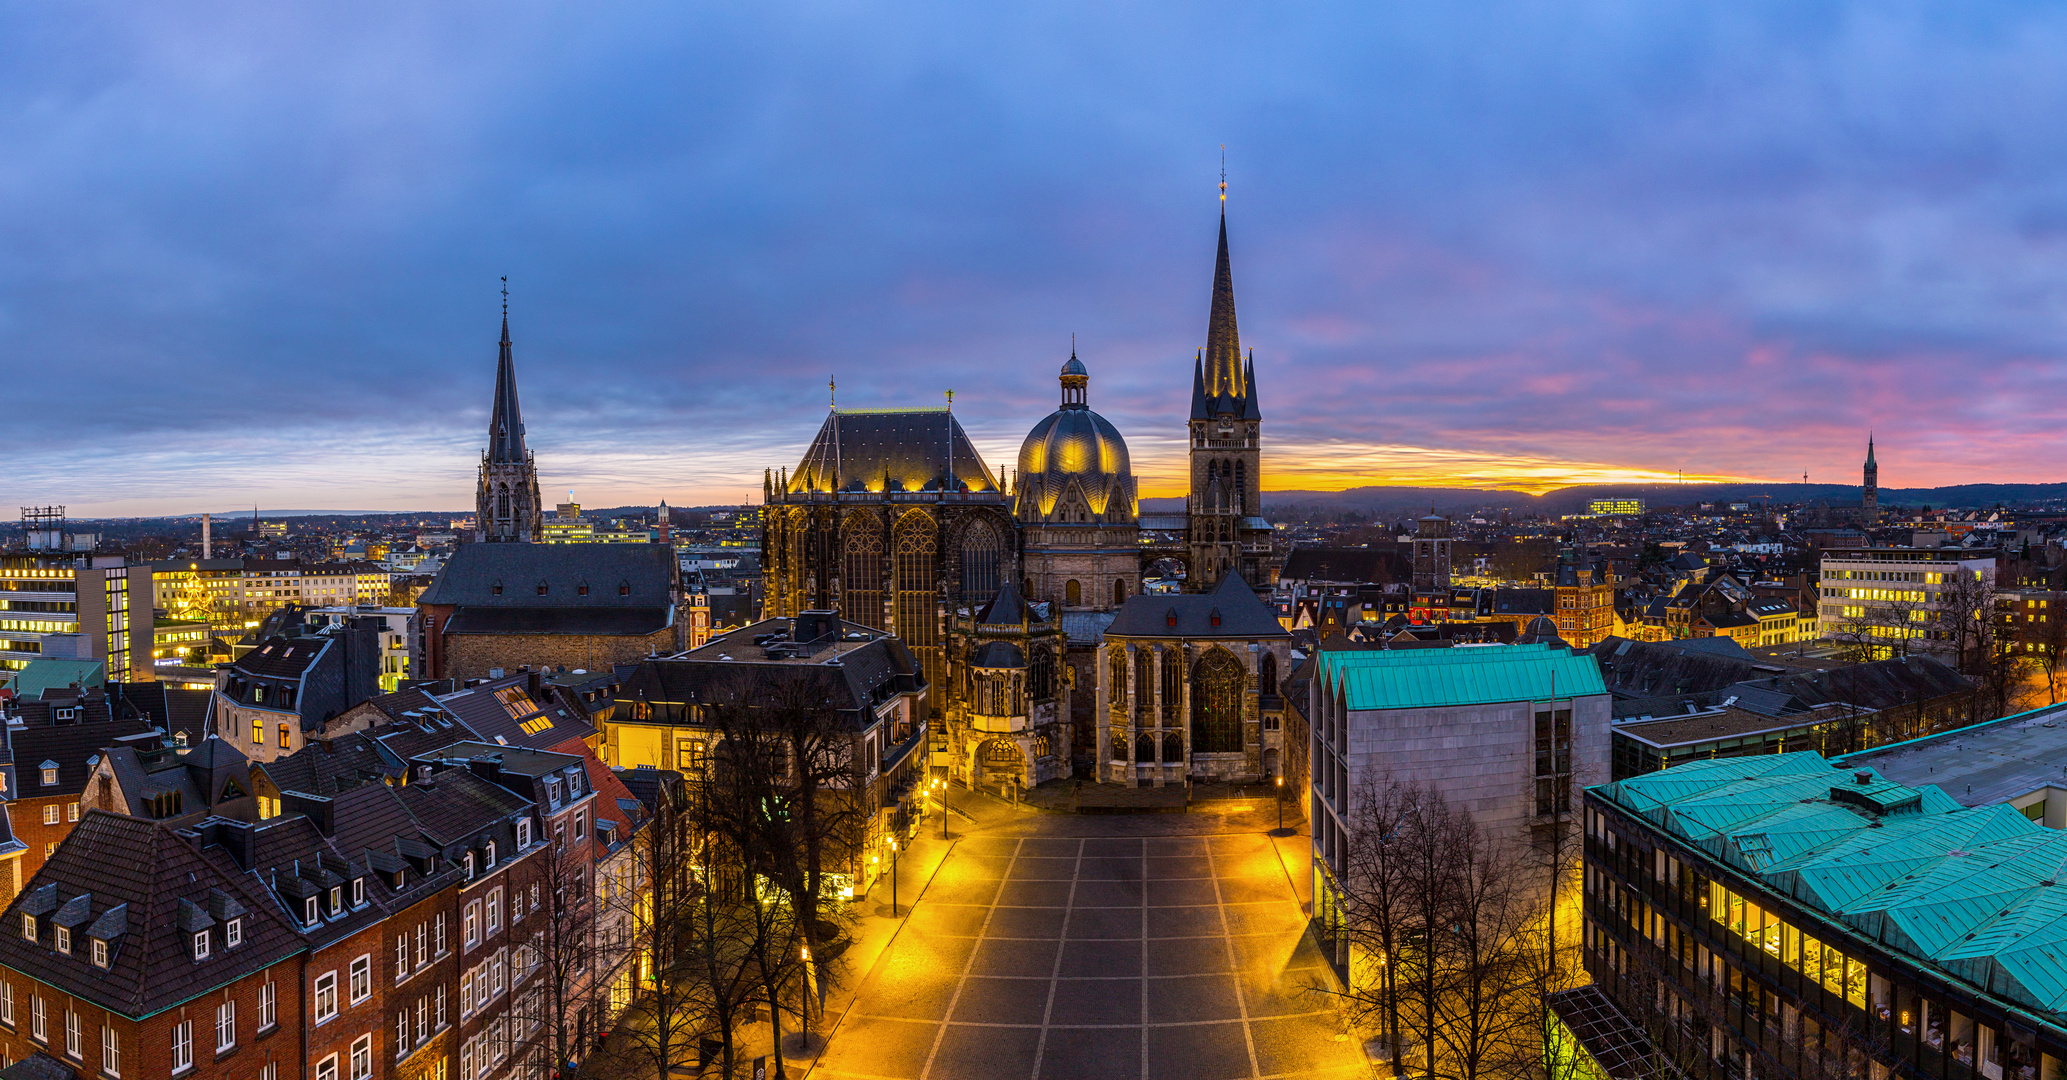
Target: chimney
1863	777
531	683
207	545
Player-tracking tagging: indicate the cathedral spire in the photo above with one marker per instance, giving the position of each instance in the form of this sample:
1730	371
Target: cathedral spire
506	421
1223	357
1869	450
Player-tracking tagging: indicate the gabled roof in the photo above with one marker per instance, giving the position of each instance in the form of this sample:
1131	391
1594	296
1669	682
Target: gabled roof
1231	610
470	577
503	710
282	658
861	449
73	747
151	868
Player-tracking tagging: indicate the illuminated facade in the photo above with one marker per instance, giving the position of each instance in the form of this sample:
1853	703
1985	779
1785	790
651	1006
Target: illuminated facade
893	520
94	596
1775	916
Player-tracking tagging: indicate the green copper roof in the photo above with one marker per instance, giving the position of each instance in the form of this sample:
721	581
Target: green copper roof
56	673
1465	675
1976	892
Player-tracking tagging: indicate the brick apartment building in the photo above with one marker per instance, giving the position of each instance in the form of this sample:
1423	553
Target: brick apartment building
391	914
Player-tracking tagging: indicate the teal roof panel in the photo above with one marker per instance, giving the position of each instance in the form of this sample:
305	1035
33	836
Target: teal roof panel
1375	679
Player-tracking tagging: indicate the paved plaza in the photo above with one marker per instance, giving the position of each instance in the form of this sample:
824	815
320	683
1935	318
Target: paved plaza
1074	947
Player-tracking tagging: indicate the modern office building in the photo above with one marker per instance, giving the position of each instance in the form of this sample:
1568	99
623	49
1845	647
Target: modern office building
66	592
1782	916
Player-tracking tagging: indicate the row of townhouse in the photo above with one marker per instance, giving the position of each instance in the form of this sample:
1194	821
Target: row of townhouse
418	899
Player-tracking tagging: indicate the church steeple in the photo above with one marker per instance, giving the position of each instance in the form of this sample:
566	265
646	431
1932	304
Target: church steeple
507	507
1223	339
506	418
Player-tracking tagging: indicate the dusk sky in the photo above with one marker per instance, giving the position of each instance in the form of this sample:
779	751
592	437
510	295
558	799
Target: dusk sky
250	253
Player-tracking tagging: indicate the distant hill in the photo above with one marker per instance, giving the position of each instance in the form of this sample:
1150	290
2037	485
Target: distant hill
1383	501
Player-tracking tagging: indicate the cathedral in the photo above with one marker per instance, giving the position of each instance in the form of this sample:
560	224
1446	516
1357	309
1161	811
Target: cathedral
1002	586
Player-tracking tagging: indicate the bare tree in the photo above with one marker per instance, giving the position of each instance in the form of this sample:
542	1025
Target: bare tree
559	915
1374	900
2051	654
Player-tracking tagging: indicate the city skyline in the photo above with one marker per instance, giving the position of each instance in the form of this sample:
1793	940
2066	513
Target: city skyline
1600	248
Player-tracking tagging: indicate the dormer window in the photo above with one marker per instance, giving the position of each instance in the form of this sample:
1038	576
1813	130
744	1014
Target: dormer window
624	588
336	899
28	928
232	935
308	911
488	855
552	792
49	776
100	953
496	588
468	862
65	713
64	940
541	588
358	891
523	833
201	945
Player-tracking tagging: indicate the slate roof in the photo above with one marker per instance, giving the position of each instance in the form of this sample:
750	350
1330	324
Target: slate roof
1378	565
38	1066
469	577
998	654
1241	614
281	658
868	673
503	710
71	746
1526	602
855	449
152	868
1004	609
646	784
456	806
327	767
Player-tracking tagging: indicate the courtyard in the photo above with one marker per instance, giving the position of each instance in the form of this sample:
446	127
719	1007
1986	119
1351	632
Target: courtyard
1137	946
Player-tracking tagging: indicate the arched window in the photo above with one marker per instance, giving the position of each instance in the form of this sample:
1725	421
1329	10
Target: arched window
1268	680
1173	686
1040	674
1116	675
1145	748
1216	704
980	555
1144	683
502	500
918	591
1173	747
1119	592
1241	487
861	570
1073	593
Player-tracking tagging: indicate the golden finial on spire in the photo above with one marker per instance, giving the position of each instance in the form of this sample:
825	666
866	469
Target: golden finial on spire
832	393
1223	174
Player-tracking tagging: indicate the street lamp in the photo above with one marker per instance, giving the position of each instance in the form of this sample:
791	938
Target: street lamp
1281	802
940	792
893	877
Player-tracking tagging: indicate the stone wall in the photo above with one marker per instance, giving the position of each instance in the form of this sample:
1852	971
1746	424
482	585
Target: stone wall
473	656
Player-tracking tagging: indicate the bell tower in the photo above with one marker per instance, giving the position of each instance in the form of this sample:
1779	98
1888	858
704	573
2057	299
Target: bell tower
506	502
1227	533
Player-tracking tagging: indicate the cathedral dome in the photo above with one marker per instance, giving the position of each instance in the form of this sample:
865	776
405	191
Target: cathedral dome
1073	466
